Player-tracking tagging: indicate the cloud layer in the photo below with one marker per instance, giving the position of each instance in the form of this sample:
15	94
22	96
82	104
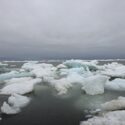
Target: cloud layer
62	29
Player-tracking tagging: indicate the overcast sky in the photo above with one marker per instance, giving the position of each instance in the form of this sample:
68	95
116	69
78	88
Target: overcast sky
53	29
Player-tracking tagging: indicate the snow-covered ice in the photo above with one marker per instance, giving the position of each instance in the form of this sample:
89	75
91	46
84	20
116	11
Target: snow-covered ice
40	70
95	84
61	66
17	80
90	77
61	85
91	65
110	118
35	65
115	104
116	84
20	87
17	100
14	104
14	74
7	109
114	69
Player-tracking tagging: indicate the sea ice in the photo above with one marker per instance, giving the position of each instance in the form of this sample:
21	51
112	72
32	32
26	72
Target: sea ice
61	85
75	78
35	65
81	71
17	100
7	109
43	72
116	84
23	86
14	104
29	65
95	84
14	74
40	70
61	66
110	118
17	80
114	104
91	85
87	65
114	70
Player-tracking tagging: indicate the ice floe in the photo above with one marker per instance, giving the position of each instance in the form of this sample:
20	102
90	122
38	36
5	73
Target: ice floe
7	109
61	85
95	84
114	70
14	74
116	84
17	80
91	76
40	70
61	66
14	104
115	104
17	100
91	65
110	118
81	71
35	65
20	86
91	85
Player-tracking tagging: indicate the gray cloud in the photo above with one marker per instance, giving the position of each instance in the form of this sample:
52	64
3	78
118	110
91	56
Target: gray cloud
62	28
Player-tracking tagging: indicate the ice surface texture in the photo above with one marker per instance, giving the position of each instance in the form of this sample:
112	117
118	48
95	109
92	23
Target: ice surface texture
19	86
92	78
110	118
14	104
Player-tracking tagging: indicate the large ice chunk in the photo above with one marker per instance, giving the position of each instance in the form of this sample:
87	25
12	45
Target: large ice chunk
14	104
43	72
17	80
87	65
95	84
75	78
114	104
81	71
117	84
110	118
29	65
17	100
40	70
61	66
91	85
35	65
114	69
7	109
61	85
14	74
23	86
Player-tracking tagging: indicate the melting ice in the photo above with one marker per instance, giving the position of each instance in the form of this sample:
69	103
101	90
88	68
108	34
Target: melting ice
91	77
